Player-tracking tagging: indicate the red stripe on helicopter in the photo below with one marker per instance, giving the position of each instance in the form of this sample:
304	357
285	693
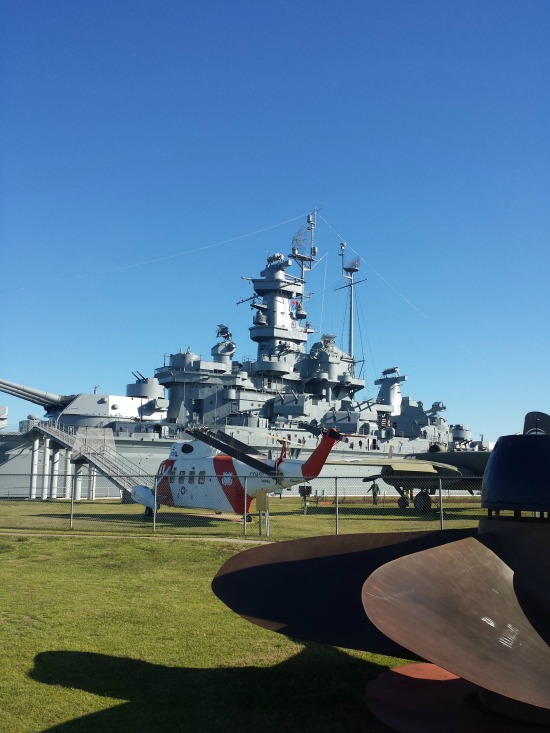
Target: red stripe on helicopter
164	491
231	485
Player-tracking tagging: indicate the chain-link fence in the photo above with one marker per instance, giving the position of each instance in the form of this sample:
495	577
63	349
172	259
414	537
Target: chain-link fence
324	506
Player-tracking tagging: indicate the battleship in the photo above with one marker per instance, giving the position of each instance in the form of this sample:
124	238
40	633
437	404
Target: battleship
288	392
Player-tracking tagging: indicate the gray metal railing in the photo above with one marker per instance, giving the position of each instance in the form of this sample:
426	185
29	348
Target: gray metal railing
108	461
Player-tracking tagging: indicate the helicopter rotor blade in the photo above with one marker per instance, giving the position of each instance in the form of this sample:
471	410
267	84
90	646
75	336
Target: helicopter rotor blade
206	436
237	444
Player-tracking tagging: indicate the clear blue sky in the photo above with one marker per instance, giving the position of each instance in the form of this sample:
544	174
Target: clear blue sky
137	130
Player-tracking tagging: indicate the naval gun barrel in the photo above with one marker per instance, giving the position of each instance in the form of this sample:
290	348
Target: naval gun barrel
48	400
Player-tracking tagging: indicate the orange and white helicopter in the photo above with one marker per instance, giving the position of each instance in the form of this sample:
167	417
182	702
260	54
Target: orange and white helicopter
218	472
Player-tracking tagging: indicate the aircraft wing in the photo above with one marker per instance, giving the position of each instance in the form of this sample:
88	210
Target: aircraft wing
405	466
423	467
417	474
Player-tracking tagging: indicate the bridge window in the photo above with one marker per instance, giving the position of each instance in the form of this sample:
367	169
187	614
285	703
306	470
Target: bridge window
181	477
202	477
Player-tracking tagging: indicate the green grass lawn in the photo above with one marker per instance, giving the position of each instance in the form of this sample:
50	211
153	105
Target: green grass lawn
125	634
287	518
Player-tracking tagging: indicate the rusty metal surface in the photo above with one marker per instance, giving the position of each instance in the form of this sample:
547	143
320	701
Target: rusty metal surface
474	602
311	589
523	546
456	605
423	698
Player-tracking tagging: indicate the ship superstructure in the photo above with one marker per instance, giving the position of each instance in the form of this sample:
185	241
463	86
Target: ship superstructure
287	392
288	387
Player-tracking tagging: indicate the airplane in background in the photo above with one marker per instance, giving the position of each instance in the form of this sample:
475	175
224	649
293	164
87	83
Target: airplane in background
215	471
422	471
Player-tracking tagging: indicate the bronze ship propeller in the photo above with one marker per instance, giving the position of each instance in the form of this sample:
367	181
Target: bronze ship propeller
474	603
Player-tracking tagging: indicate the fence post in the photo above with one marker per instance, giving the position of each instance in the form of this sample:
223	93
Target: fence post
244	507
336	501
73	489
267	515
155	507
440	504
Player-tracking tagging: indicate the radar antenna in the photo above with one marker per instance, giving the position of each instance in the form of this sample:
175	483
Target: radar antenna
304	259
299	239
223	332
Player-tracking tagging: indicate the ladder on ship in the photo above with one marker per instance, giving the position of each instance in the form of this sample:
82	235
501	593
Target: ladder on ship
123	473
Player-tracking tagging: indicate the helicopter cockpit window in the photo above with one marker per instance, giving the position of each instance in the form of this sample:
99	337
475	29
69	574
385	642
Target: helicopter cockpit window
181	477
186	448
172	475
202	477
191	477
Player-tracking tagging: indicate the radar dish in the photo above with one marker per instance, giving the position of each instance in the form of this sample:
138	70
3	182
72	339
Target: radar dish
223	331
352	265
300	238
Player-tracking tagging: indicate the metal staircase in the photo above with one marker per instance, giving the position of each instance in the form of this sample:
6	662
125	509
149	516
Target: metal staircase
122	472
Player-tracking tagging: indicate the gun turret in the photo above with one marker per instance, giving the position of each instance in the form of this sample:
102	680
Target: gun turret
48	400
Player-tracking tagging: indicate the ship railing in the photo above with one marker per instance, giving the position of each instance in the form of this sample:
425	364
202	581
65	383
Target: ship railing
108	460
119	464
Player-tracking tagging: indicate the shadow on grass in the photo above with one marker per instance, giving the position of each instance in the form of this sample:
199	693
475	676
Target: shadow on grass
319	689
457	516
350	511
383	513
141	520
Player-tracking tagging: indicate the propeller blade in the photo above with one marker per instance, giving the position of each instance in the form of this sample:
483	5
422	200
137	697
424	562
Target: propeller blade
536	423
310	589
461	606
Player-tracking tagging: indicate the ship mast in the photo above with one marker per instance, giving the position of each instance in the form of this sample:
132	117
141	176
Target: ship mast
348	273
305	261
